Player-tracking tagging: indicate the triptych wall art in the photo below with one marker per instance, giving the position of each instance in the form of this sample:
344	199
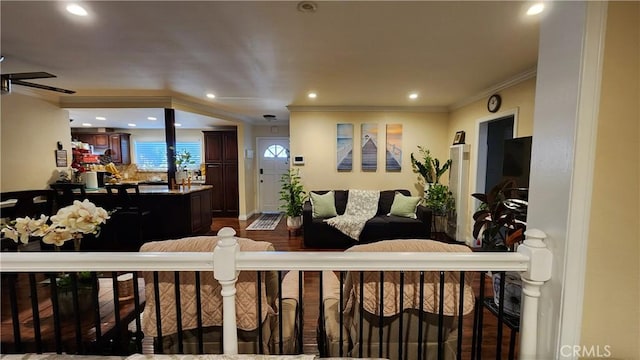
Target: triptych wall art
369	144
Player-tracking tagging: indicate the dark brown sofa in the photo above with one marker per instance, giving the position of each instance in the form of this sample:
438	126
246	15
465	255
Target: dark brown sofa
319	234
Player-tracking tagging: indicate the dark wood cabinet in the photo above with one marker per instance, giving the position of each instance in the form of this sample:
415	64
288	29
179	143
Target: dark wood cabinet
221	158
119	144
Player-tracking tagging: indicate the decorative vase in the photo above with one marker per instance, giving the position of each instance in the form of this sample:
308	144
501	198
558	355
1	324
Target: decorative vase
294	222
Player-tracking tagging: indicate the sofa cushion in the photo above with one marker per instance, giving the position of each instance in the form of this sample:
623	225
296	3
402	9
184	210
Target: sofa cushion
340	197
323	205
386	200
404	206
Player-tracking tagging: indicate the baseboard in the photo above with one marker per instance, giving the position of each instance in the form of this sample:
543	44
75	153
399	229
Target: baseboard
246	216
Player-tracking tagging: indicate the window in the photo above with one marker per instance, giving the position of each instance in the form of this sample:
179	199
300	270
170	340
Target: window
152	155
275	151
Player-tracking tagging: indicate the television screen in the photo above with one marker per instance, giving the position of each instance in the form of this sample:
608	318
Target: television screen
517	160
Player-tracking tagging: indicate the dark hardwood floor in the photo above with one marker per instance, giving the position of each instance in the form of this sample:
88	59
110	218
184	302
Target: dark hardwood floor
282	240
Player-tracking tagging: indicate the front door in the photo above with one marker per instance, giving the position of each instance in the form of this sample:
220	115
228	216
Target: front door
273	161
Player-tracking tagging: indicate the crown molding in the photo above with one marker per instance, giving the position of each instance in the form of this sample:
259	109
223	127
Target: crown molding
430	109
80	102
526	75
206	110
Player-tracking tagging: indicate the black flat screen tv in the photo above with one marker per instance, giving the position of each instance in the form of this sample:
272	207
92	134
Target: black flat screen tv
517	160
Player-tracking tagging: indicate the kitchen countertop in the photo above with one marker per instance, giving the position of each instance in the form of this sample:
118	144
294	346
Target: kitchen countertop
155	189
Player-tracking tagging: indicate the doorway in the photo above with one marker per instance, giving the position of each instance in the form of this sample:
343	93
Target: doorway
492	132
273	162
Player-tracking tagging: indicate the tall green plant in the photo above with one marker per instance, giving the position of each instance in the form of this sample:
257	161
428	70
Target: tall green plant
439	199
429	167
292	194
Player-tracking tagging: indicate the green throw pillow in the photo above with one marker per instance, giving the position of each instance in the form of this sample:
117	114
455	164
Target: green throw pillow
324	206
404	206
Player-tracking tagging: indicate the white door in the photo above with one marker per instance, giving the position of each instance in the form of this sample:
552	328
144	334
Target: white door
273	161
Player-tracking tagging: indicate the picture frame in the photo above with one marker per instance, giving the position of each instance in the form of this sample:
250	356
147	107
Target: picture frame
61	158
459	138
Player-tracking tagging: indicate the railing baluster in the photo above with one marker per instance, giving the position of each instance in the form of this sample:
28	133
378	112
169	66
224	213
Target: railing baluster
96	306
361	320
176	287
341	312
259	320
116	310
156	294
322	346
35	310
14	311
300	313
500	316
460	312
199	313
421	315
281	345
441	318
380	318
136	305
400	324
480	316
76	310
56	313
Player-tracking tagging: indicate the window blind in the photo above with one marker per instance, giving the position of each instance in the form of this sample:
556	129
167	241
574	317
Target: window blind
152	155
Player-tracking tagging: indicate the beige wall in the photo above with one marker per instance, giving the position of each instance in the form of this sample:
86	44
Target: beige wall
250	193
30	130
611	313
313	135
519	98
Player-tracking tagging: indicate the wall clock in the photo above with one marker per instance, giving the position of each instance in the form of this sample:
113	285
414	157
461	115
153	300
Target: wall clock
494	103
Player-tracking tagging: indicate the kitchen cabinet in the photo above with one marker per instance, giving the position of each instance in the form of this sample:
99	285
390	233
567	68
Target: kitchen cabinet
119	143
221	158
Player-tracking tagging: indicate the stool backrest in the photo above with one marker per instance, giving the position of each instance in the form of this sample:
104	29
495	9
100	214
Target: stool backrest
66	193
124	196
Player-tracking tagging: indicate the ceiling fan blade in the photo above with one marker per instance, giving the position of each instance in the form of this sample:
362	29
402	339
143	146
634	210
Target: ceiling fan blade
44	87
28	75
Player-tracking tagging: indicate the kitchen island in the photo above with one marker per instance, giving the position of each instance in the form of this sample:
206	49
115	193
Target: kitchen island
173	213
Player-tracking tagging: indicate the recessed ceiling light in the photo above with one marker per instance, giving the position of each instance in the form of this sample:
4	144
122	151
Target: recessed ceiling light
413	96
312	95
211	96
152	118
177	124
535	9
86	124
101	118
131	124
76	9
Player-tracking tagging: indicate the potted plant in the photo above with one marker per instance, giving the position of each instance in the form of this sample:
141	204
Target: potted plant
499	222
429	167
440	200
183	160
292	196
499	226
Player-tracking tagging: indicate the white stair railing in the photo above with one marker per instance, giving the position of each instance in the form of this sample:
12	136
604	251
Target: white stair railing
532	260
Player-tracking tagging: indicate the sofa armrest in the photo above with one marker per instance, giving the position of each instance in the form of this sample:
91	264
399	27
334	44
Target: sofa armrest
307	213
425	215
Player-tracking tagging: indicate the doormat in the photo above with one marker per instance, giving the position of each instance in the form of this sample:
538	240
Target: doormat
265	222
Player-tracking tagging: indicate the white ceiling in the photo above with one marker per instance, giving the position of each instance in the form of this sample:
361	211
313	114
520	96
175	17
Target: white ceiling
260	57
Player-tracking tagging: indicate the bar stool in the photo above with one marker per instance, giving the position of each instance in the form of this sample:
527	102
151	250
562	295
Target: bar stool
66	193
128	214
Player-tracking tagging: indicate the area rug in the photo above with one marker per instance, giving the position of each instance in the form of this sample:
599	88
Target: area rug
265	222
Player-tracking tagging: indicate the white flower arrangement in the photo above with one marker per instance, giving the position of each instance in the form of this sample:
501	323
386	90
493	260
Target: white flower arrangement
69	223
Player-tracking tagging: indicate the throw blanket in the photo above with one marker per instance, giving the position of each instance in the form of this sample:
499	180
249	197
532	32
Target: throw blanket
362	205
411	288
246	296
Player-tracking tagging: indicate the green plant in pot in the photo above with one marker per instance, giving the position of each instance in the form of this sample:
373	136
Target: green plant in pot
499	222
428	167
440	200
499	225
292	197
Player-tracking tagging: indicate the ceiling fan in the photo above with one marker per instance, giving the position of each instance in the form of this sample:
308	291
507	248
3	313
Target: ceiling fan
6	80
